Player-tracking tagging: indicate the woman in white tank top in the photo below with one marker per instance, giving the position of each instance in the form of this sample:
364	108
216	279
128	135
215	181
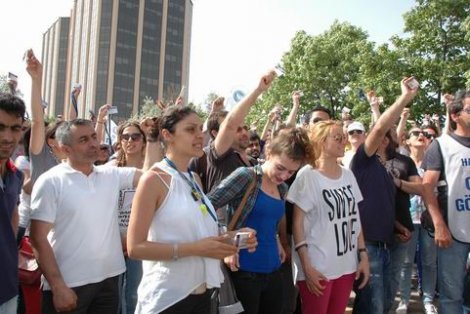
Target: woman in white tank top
174	228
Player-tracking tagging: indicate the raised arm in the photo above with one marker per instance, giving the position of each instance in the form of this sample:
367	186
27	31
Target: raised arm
38	130
387	119
401	128
237	115
100	122
291	119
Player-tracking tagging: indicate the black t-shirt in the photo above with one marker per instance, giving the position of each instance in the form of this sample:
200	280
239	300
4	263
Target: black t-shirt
402	167
217	167
378	206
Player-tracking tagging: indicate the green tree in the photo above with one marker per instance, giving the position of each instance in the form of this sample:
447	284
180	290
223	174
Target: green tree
436	48
323	67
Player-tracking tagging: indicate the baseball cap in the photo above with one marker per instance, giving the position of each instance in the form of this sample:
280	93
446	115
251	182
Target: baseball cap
356	125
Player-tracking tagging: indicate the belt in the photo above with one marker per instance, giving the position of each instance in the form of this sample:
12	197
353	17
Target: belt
379	244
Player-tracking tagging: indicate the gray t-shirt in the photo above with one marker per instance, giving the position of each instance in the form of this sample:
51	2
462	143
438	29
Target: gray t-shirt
41	162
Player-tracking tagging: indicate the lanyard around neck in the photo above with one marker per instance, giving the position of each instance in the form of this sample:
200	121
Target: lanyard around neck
196	193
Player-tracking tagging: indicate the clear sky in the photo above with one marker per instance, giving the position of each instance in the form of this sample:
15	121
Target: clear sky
233	42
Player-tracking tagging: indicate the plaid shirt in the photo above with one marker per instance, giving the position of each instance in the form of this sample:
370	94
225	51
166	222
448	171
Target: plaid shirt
232	189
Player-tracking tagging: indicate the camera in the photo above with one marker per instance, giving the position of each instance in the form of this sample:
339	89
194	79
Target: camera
240	239
413	84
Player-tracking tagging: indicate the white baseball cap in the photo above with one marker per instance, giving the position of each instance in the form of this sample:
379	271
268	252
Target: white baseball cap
356	125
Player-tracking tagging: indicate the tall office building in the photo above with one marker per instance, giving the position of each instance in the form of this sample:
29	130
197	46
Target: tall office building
54	57
122	51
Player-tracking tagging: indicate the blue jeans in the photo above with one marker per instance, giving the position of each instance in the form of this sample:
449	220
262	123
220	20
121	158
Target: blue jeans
427	256
9	306
398	252
130	282
451	274
371	299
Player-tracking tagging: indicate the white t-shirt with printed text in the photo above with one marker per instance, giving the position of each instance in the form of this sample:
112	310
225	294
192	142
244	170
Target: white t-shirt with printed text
331	222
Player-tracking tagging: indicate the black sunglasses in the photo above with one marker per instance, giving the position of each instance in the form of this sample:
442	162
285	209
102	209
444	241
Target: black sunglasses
355	132
134	136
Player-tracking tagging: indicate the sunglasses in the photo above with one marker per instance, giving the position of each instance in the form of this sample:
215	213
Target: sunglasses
104	148
355	132
134	136
425	134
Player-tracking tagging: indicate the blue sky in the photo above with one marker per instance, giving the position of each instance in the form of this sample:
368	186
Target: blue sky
233	41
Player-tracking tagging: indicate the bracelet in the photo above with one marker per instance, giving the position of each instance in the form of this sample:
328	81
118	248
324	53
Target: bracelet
362	250
298	247
175	251
98	121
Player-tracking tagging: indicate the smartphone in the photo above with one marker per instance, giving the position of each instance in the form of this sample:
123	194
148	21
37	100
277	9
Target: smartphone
240	239
279	71
183	89
413	84
12	77
301	93
113	110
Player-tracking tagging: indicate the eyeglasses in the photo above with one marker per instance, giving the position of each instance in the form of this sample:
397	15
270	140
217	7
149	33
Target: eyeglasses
134	136
338	138
355	132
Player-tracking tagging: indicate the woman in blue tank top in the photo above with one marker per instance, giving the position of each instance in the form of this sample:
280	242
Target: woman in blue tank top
256	275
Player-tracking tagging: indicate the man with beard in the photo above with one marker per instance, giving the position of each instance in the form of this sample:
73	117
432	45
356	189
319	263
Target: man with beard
74	225
12	111
227	151
254	148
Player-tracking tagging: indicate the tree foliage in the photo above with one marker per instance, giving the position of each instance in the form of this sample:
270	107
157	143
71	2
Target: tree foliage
338	67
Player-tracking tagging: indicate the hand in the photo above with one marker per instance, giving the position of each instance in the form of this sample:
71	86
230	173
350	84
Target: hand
161	105
266	81
179	101
435	117
314	280
215	247
33	66
103	112
405	113
296	97
64	299
232	262
252	241
404	236
363	270
218	104
151	128
406	91
448	99
442	236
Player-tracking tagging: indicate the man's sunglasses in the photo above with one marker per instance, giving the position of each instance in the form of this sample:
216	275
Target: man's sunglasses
355	132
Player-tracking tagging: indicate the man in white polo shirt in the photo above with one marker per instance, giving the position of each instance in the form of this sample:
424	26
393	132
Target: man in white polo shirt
74	225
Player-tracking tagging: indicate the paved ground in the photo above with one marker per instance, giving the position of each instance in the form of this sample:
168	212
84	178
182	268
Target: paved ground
415	306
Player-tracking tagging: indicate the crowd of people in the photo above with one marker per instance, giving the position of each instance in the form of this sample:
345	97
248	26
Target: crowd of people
296	217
